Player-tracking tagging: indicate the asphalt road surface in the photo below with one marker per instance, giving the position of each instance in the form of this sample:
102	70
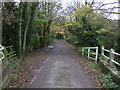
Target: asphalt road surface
60	70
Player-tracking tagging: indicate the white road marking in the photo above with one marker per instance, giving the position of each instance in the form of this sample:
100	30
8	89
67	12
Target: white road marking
39	70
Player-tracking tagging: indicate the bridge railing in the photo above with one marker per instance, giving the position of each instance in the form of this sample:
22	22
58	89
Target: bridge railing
111	56
91	52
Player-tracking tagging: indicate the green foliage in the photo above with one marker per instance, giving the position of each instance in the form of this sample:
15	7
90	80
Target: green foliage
107	81
117	42
85	26
36	42
106	37
92	64
91	29
10	15
41	17
32	21
72	39
5	52
59	36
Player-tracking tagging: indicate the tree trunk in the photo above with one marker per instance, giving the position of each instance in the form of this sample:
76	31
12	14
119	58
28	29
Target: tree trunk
25	32
20	36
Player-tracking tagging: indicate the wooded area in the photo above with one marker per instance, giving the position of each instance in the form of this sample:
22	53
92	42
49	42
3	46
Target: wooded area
29	26
26	25
32	25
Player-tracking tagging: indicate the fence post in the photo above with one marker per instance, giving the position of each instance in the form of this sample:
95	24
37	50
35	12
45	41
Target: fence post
102	50
1	57
88	53
111	58
96	55
82	51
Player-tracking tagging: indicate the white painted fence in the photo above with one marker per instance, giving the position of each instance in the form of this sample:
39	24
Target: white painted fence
1	48
112	53
1	57
91	53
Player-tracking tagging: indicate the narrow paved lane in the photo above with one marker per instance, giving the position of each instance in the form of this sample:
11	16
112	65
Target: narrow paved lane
60	70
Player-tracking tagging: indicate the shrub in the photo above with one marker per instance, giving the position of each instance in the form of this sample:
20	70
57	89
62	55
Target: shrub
107	81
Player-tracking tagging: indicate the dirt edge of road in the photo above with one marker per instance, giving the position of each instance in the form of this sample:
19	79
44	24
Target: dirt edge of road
29	67
93	72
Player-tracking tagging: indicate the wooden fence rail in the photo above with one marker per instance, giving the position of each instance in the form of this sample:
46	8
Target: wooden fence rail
111	56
